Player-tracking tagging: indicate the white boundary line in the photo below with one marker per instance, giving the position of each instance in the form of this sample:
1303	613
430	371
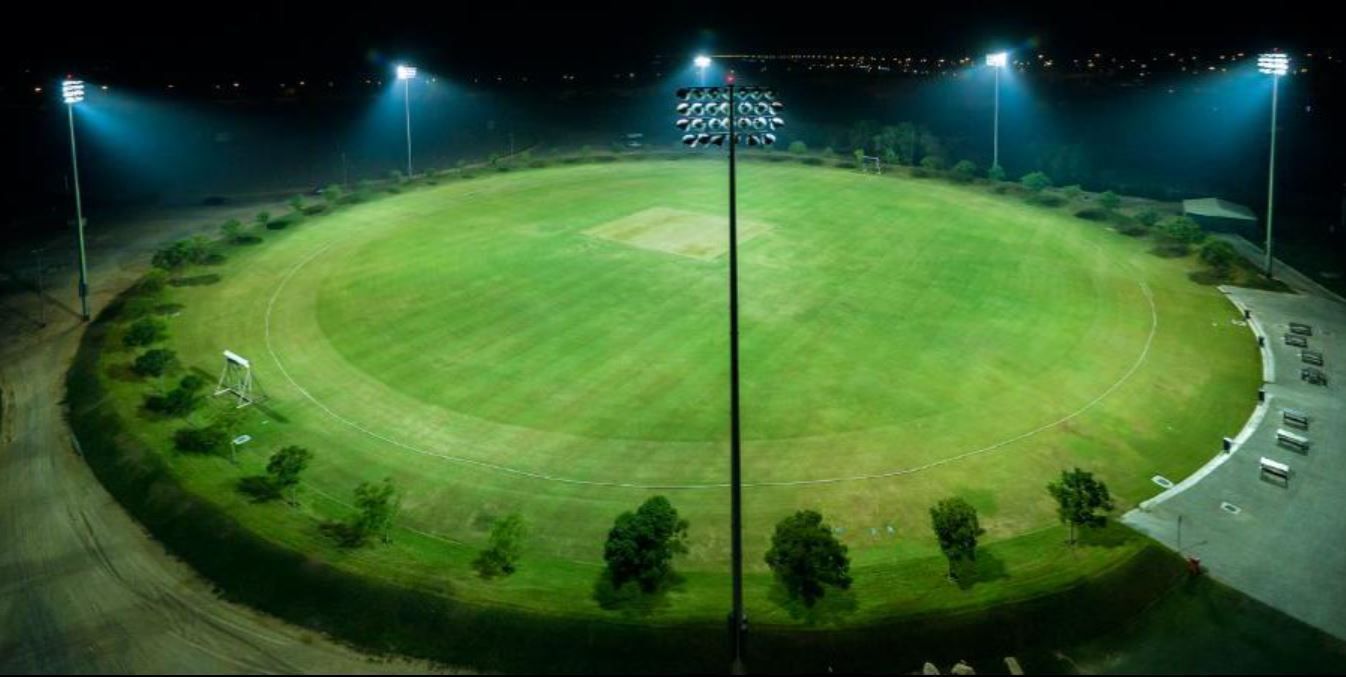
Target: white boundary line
1249	426
1144	353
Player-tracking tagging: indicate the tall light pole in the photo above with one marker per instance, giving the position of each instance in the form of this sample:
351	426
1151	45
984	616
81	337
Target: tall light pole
712	116
72	92
997	62
702	63
406	74
1275	65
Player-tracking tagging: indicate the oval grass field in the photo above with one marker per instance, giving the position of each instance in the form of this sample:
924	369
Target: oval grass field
553	342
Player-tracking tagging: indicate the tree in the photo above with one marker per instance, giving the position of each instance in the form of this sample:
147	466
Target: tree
377	505
1036	182
232	230
798	147
1109	200
955	523
805	556
284	469
179	401
143	332
641	544
1072	192
996	173
1219	255
965	170
1079	498
297	203
154	362
501	555
208	440
1148	217
262	219
859	154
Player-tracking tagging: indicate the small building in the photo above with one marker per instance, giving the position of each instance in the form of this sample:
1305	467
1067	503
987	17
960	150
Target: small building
1222	216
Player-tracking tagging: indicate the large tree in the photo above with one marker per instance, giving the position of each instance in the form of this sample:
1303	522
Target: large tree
501	555
955	523
641	544
377	505
284	468
806	556
1081	500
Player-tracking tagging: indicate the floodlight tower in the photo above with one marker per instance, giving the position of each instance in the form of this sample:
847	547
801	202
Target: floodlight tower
1275	65
406	74
716	116
702	62
72	92
997	62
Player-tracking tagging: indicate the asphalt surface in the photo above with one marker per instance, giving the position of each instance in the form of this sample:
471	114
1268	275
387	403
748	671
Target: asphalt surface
1279	542
83	588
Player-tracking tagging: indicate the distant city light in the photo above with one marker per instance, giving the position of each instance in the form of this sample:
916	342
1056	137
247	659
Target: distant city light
406	72
1273	63
72	91
997	60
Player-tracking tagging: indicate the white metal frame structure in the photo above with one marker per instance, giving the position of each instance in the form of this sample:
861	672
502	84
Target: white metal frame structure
236	378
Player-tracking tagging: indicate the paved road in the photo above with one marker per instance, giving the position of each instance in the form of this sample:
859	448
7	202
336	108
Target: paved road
1281	544
82	587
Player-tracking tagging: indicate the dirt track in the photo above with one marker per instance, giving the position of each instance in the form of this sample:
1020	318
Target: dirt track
83	588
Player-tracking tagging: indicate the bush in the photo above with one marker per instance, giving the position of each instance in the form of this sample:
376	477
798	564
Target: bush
154	362
152	283
232	230
1181	230
932	163
1109	200
192	383
965	171
996	173
143	332
176	402
1036	182
1072	192
211	439
798	147
1148	217
1219	255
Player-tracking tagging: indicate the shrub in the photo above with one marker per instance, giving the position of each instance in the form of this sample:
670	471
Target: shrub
152	283
192	383
996	173
965	171
1036	182
1109	200
154	362
1072	192
1148	217
143	332
932	163
176	402
211	439
798	147
1219	255
232	230
171	256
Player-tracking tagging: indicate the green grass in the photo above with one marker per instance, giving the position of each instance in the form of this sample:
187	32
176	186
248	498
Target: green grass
887	325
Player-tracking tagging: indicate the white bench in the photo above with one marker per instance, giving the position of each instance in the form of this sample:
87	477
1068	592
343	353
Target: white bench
1290	440
1275	469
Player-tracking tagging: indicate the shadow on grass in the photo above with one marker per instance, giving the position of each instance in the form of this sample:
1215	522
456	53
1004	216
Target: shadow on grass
247	240
195	280
344	534
258	488
986	569
1208	277
830	609
169	308
1110	535
630	600
122	371
1169	250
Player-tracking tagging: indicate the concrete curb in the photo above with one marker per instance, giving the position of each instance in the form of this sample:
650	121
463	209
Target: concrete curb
1254	421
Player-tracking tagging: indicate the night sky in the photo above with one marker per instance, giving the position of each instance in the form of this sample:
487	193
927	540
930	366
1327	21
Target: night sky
151	41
